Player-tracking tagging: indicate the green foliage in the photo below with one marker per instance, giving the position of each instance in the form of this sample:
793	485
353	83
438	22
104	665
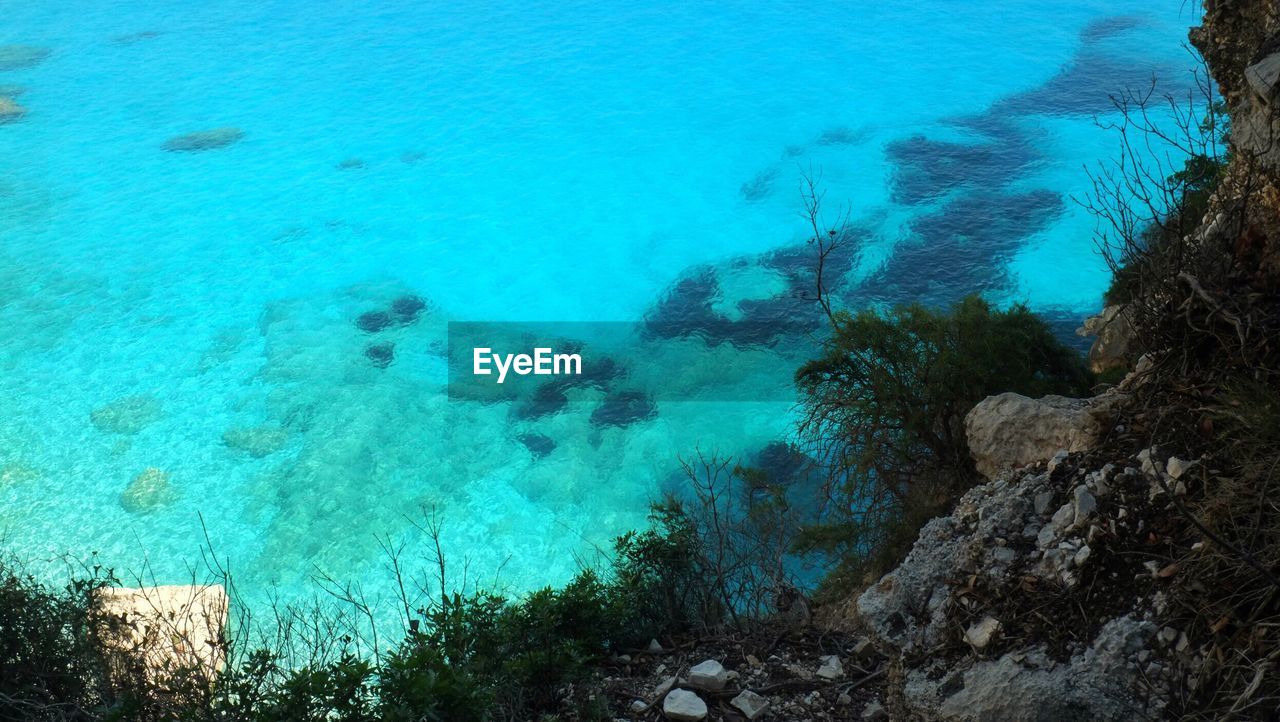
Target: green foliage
467	658
884	410
50	652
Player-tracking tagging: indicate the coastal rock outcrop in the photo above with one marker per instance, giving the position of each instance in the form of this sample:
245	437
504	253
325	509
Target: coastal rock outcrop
963	604
171	628
1115	343
1009	430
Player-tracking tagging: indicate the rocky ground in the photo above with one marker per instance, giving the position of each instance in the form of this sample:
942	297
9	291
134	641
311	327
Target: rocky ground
783	674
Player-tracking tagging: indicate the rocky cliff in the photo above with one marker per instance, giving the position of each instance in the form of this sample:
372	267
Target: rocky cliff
1121	560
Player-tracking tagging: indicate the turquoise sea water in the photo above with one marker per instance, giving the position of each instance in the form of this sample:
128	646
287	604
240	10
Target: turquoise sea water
198	313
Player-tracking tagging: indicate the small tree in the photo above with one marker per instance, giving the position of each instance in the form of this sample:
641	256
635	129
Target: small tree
884	408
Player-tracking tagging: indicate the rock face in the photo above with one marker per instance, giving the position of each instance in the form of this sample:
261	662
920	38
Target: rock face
171	627
1022	539
204	140
1115	344
10	110
1009	431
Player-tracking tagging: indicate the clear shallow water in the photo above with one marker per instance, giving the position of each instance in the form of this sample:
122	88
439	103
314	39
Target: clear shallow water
535	161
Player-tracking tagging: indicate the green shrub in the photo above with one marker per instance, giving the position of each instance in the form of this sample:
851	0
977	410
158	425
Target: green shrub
884	408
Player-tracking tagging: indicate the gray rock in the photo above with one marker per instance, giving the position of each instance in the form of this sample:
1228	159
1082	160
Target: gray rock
1096	684
750	704
831	668
1042	502
1009	431
1085	504
709	675
1264	77
663	687
684	706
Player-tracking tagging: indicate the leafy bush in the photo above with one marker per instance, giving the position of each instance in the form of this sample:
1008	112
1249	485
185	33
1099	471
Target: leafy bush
467	656
884	410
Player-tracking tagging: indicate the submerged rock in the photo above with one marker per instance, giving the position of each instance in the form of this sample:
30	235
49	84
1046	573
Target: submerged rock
351	164
256	441
547	399
373	321
381	354
132	38
148	491
10	110
17	473
623	409
406	309
538	444
128	415
204	140
18	57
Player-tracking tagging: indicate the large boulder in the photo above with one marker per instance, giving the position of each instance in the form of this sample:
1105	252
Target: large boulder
170	628
1009	430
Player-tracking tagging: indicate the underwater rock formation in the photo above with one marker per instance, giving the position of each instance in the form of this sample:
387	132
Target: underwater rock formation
373	321
407	309
128	415
624	408
256	441
20	57
381	354
538	444
10	110
350	164
148	491
204	140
